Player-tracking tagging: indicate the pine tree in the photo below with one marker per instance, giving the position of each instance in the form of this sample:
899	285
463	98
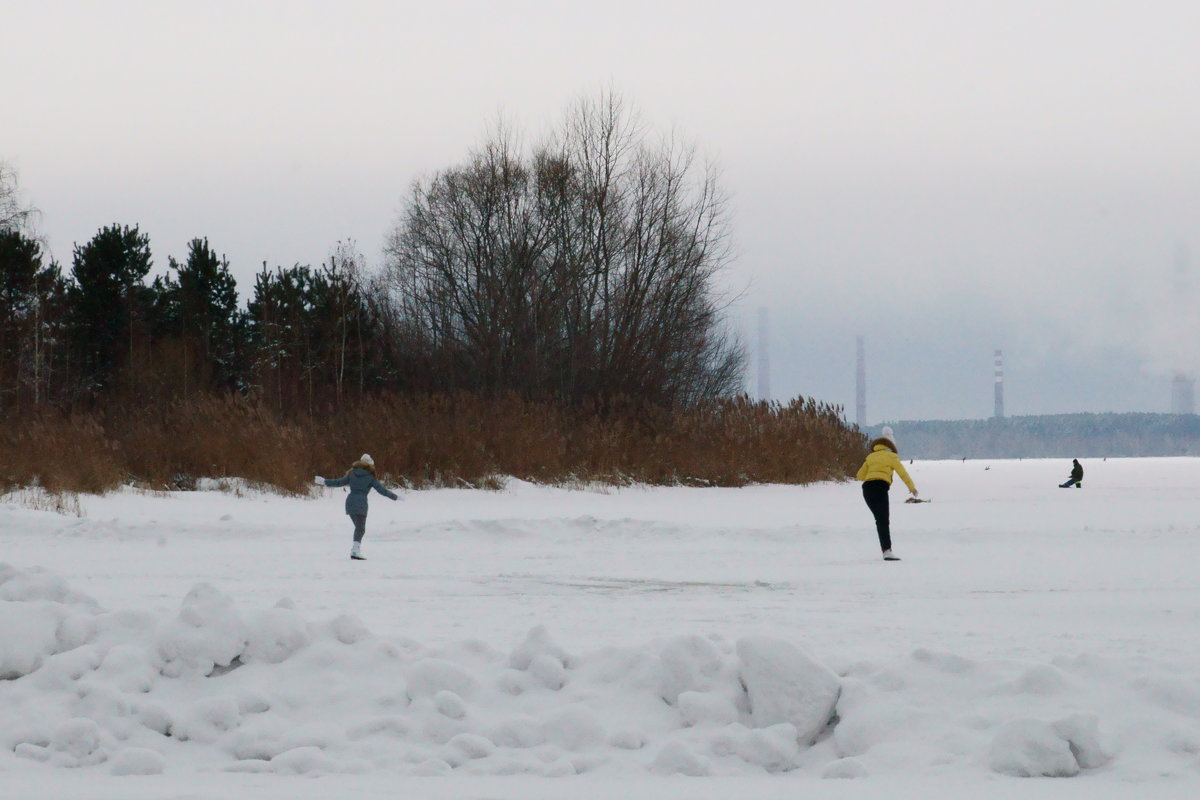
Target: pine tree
110	303
199	308
312	335
279	334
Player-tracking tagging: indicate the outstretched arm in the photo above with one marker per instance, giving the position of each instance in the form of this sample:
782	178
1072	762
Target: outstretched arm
383	490
903	473
342	481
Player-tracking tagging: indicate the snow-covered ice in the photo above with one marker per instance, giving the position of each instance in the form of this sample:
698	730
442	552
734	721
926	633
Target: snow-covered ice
647	642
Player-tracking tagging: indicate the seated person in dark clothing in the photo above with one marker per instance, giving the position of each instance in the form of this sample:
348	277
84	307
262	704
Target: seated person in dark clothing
1076	478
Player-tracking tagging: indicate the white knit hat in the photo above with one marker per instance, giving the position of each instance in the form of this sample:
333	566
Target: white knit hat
365	458
886	433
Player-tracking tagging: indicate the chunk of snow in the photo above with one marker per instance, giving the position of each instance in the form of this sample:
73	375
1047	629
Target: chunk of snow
128	667
548	671
208	632
28	634
38	583
628	740
77	738
1030	748
450	704
775	749
676	758
156	718
689	663
429	676
1082	732
536	643
348	629
517	731
34	752
317	734
706	708
274	634
207	719
302	761
783	684
466	747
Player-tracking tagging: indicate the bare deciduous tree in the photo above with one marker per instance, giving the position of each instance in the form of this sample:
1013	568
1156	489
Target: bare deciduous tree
584	270
14	215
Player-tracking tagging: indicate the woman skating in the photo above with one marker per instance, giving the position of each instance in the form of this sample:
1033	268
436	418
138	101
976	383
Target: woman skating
361	480
876	475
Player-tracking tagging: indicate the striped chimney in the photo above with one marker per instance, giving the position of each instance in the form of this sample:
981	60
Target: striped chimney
999	384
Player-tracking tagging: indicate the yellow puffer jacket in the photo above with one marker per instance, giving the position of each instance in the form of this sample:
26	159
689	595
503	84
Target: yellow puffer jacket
881	463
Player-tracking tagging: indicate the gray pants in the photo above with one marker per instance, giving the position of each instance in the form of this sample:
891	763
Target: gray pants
360	526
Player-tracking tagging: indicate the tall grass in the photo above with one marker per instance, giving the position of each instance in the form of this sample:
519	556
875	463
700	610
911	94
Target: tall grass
431	441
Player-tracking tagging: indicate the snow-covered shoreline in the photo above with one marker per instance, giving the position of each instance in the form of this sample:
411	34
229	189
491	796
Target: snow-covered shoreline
1027	625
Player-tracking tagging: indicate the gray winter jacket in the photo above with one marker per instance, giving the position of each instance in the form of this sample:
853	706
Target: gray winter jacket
360	481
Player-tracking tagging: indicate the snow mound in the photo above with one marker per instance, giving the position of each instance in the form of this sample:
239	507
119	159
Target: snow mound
215	686
1018	719
269	691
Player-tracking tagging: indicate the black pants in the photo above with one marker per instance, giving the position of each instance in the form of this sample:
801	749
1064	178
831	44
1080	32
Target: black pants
876	495
360	526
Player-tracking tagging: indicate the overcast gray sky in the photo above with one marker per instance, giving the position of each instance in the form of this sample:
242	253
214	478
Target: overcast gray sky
944	178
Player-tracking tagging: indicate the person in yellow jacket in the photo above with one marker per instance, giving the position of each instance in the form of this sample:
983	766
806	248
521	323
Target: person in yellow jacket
876	475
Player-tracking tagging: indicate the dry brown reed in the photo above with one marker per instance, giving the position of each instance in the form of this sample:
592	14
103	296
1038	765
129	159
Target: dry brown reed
431	441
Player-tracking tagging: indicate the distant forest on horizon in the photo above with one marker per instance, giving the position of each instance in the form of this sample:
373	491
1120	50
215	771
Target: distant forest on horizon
1082	435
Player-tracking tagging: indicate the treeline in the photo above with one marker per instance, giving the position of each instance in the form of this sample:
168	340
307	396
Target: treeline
569	288
580	270
1051	436
101	334
108	378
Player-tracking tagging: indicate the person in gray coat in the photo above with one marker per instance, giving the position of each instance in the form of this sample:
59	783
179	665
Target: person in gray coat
361	480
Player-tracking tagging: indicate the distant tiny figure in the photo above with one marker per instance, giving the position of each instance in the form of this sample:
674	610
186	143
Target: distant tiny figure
876	475
1076	478
361	480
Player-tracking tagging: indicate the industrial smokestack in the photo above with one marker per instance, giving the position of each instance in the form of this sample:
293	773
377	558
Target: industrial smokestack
1183	383
860	394
764	358
999	384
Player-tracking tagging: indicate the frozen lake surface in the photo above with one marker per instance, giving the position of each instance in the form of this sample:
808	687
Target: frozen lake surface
1028	629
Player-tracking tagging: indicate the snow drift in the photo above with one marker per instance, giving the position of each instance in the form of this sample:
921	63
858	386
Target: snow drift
269	691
